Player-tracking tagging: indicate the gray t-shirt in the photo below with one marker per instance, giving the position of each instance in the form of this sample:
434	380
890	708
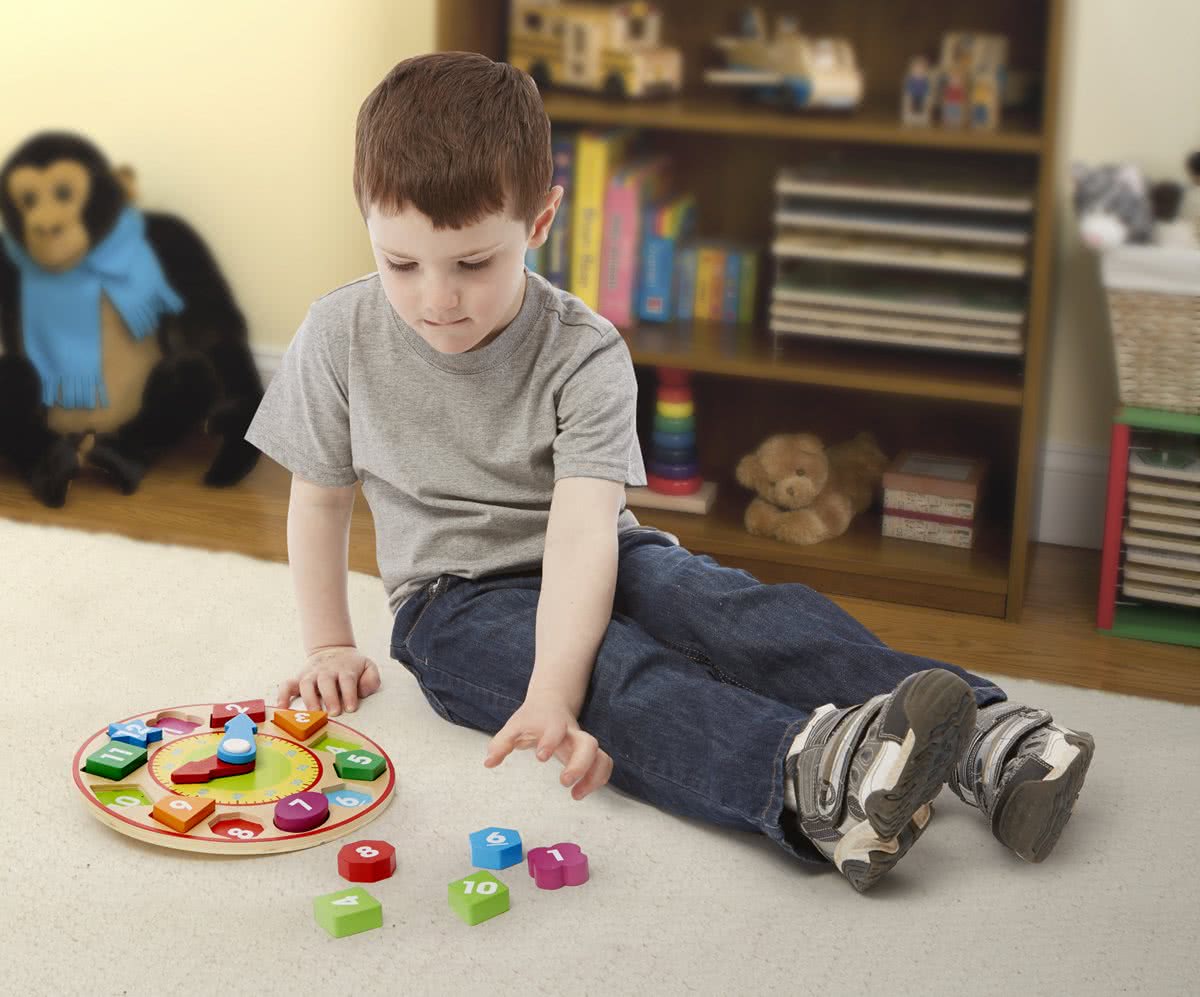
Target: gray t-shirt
457	453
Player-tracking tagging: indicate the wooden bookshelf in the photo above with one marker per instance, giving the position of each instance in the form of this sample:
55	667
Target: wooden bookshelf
750	385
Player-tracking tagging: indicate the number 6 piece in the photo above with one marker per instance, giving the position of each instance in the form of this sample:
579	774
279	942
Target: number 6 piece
236	777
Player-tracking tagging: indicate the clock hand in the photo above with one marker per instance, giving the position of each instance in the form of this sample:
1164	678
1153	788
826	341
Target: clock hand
237	747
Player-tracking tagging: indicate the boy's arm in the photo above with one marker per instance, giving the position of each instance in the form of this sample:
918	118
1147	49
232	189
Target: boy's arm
579	574
335	674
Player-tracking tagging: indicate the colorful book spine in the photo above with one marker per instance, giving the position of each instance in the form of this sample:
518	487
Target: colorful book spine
557	257
663	228
710	274
749	288
596	156
629	191
731	286
685	282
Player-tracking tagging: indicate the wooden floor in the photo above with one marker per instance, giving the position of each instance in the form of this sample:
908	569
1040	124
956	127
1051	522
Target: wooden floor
1055	641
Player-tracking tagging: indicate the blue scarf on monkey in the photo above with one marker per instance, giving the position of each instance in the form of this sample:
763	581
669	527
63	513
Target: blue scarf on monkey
60	312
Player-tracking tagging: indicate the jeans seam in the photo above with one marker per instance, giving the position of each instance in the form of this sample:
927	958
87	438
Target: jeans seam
433	593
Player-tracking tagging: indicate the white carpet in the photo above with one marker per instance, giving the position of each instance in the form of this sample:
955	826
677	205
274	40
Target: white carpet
93	628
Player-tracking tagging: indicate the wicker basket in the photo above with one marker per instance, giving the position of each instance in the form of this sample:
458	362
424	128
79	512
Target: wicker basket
1154	310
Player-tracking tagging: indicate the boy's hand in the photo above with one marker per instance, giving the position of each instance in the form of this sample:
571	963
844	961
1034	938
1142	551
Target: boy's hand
339	676
545	721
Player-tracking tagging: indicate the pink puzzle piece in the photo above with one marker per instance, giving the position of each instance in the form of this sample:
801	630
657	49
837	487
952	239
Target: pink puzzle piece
559	865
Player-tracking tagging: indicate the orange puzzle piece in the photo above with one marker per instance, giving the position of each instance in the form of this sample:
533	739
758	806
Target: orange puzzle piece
182	813
301	724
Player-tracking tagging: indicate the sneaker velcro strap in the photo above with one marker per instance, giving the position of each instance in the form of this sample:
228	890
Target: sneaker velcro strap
831	797
994	749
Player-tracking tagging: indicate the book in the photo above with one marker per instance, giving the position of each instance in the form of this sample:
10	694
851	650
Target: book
1154	541
557	257
747	294
912	255
699	502
893	337
731	285
1163	576
1163	524
1163	558
597	155
935	474
946	534
807	214
935	188
1159	507
903	500
907	323
1176	492
1161	593
685	282
1175	465
630	190
710	276
664	227
891	294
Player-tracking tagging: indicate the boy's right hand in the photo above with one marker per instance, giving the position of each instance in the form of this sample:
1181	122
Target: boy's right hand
337	676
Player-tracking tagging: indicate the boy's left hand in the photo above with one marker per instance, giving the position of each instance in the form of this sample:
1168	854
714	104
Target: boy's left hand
545	721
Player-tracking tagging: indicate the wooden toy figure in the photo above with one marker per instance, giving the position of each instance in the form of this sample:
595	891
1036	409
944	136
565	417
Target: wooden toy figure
985	99
954	99
916	101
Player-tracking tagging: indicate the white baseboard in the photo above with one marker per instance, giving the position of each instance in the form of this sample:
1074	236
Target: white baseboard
1068	502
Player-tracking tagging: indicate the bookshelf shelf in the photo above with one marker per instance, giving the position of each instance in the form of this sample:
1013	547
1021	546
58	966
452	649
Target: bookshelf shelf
861	562
728	153
749	352
721	115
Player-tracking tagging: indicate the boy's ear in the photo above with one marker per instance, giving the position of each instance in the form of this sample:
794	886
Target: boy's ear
541	225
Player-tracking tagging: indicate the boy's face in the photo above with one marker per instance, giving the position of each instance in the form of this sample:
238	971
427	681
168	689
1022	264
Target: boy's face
456	288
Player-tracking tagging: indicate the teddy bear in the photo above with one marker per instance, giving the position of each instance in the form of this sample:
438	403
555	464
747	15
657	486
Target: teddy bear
807	493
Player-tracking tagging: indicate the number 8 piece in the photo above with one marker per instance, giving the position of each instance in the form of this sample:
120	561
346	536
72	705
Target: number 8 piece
236	777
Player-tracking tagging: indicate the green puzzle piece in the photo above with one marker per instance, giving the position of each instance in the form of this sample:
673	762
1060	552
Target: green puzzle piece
348	912
115	760
359	764
478	897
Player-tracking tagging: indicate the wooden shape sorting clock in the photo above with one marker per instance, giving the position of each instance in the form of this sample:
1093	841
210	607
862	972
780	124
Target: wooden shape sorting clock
235	778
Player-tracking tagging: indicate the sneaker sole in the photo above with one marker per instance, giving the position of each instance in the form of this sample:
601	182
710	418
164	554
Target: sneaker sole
932	720
864	872
1033	810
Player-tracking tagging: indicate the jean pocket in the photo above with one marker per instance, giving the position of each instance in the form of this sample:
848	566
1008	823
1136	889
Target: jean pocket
419	602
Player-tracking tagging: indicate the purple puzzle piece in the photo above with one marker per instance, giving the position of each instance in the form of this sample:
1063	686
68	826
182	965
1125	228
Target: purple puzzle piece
559	865
301	812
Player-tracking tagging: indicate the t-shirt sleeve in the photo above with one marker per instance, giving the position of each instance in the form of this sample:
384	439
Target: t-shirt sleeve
303	421
597	417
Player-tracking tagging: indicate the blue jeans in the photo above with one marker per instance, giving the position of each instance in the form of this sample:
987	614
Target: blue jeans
703	679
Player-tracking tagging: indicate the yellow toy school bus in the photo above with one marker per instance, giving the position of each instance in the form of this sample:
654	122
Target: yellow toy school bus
612	49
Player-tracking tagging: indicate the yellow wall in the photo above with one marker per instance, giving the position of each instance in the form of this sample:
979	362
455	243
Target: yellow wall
238	115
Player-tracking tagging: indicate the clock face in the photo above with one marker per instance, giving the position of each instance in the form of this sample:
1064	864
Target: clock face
233	777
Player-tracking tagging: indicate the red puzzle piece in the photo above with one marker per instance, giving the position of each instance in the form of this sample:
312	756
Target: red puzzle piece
366	861
255	709
207	769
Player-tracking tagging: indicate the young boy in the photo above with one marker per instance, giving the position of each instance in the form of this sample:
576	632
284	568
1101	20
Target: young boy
491	421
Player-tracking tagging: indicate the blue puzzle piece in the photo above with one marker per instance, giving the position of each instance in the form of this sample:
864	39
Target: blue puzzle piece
134	732
496	848
237	747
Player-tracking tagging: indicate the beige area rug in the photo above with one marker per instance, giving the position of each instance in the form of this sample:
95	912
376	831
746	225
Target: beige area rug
95	627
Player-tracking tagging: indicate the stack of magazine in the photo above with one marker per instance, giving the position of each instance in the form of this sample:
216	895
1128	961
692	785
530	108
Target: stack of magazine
1162	525
869	255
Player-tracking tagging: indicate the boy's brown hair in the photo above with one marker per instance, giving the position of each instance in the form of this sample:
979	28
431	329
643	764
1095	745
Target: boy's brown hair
457	136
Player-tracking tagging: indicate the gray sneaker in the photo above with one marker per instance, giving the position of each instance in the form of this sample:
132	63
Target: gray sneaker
864	776
1023	773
